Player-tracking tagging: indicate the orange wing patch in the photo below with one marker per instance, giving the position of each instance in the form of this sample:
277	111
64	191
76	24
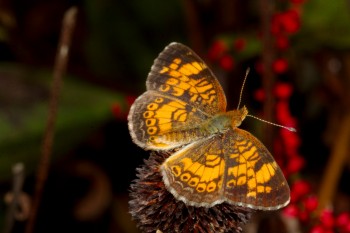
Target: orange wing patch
180	82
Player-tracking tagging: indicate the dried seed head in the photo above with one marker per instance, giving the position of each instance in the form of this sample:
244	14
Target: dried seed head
155	209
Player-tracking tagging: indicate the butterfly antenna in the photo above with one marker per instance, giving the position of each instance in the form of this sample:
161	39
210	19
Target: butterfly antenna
271	123
240	94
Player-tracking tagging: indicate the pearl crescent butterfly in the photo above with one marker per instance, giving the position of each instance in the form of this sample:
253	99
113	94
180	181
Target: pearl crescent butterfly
184	107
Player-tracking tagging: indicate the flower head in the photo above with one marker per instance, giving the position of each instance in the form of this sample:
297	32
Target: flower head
154	208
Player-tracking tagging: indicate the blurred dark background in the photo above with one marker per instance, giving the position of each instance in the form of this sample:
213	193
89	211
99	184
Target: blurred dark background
114	45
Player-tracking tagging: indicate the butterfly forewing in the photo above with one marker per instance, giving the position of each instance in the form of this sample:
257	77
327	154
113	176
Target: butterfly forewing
181	73
181	93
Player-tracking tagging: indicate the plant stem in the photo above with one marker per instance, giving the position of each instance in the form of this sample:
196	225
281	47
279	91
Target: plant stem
268	78
61	60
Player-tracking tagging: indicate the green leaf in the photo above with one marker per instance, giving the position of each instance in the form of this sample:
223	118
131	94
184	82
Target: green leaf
24	110
325	24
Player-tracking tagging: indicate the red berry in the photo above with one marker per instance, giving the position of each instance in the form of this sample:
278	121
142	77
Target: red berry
295	164
346	228
280	66
239	44
217	49
226	62
304	216
259	67
130	99
327	219
291	21
282	42
300	188
317	229
297	1
343	219
276	24
286	22
282	111
260	95
283	90
116	110
291	139
291	210
311	203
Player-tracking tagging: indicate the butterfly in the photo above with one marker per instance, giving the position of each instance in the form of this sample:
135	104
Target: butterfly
184	110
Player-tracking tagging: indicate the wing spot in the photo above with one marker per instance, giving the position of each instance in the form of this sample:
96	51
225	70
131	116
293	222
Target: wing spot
251	194
242	180
164	70
164	87
193	181
176	74
178	91
177	60
176	170
151	122
148	114
152	130
201	187
231	183
159	100
211	187
173	66
152	106
185	177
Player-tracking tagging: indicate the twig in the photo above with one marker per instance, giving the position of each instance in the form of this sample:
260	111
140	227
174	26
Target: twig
335	166
266	8
18	179
193	26
58	72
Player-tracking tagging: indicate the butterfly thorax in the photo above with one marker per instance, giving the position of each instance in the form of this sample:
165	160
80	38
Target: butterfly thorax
225	120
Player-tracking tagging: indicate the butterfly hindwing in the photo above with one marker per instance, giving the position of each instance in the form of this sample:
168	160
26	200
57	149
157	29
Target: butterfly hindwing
153	116
233	167
195	173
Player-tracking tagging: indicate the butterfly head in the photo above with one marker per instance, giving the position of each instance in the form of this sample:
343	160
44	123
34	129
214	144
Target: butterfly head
238	116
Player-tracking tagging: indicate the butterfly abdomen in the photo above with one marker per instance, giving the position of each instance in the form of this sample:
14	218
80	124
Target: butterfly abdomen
184	135
217	124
